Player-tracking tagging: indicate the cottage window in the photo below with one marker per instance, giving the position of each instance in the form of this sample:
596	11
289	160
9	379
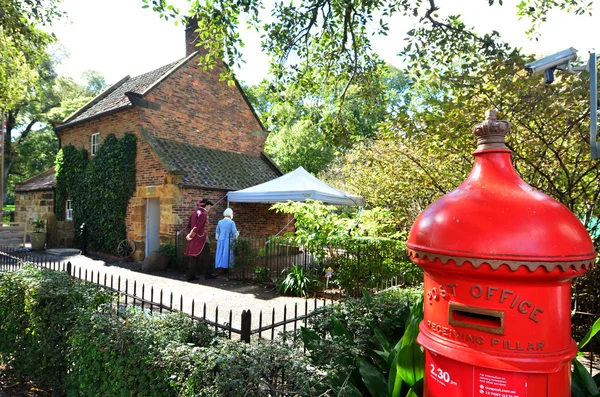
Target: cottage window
95	143
69	211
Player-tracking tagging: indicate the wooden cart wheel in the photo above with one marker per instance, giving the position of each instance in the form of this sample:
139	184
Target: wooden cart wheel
126	248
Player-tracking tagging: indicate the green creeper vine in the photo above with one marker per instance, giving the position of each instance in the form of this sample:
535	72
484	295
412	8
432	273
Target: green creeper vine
99	189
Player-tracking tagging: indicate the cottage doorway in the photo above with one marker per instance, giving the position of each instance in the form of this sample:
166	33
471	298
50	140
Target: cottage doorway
152	225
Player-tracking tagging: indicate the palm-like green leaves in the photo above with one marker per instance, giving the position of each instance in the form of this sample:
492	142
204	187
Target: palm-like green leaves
389	370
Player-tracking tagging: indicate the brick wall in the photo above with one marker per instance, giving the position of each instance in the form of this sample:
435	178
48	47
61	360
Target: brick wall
252	219
190	106
150	170
65	234
256	220
33	205
197	108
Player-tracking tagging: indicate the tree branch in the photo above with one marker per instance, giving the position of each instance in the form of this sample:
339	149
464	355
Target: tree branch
444	26
26	131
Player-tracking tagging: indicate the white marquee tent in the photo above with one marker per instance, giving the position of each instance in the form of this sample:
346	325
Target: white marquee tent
298	185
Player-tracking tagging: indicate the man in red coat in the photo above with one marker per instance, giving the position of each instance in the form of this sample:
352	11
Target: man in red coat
198	243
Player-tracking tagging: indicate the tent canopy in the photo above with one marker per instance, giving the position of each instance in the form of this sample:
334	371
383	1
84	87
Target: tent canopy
298	185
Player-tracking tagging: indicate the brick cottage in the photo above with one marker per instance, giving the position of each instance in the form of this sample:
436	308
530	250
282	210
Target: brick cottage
196	137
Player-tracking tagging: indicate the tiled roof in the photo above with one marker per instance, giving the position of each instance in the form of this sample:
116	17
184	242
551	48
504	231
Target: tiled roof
44	181
114	97
203	167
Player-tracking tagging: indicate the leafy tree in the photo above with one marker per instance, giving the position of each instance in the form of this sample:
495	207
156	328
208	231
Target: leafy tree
16	74
30	142
34	154
421	156
302	144
334	38
321	49
94	82
311	129
23	45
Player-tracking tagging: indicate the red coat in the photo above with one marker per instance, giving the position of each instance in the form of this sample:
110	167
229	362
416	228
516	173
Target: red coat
197	223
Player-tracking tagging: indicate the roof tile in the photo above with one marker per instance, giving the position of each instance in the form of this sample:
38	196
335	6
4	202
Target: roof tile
44	181
203	167
117	98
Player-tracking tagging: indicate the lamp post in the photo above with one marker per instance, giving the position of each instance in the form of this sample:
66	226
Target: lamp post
593	107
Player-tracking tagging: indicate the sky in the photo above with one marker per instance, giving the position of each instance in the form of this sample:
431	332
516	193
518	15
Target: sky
119	38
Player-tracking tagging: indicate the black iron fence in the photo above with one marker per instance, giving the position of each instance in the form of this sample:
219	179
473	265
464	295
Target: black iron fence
585	311
348	264
262	258
267	325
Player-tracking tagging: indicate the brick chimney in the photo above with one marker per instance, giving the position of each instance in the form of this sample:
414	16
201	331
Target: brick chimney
191	37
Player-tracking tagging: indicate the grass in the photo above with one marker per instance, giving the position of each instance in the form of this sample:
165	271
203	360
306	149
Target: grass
6	219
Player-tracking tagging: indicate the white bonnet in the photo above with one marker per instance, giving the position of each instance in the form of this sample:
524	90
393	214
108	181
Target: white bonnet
228	212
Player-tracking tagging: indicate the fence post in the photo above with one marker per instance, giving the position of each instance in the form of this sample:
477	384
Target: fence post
246	323
84	233
69	268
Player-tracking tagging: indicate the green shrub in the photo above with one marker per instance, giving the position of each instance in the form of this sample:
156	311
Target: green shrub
169	249
39	225
296	282
264	369
227	368
131	353
583	383
386	310
383	369
261	273
245	253
39	308
370	263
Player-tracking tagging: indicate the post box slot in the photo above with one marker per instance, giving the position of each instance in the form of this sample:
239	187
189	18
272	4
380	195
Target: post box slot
485	320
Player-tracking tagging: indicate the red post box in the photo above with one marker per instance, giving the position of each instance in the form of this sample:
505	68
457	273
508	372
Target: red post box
498	258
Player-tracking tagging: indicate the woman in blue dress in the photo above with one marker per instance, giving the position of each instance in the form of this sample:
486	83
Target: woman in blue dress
226	234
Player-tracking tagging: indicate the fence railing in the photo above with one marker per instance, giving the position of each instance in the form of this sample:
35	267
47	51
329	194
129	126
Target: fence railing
355	264
133	293
585	311
257	257
153	300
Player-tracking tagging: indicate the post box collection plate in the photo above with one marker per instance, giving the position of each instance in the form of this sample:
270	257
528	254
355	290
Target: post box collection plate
452	378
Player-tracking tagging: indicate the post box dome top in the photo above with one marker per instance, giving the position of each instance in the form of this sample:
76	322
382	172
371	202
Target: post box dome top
494	217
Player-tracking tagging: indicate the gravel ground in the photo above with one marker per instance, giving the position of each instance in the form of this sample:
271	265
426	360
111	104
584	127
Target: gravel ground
221	296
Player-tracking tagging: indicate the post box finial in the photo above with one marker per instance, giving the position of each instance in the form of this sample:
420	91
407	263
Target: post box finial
492	132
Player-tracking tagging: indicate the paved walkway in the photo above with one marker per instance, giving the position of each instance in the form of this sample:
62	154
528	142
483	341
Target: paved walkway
221	296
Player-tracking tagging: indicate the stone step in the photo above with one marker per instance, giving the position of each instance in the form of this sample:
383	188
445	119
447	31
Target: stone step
13	228
12	232
11	242
63	251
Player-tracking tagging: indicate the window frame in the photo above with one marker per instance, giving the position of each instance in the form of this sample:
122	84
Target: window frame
96	144
68	210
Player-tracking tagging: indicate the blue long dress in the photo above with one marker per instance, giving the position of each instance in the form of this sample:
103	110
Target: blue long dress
226	234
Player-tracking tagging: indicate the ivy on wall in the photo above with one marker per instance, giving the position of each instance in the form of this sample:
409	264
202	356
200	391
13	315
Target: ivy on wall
99	189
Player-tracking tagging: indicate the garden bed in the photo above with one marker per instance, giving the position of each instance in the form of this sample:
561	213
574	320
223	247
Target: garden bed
12	388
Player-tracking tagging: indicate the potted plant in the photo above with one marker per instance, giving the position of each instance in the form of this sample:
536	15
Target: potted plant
38	236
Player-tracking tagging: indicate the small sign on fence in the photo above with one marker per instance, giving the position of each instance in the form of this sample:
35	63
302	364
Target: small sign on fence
328	273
